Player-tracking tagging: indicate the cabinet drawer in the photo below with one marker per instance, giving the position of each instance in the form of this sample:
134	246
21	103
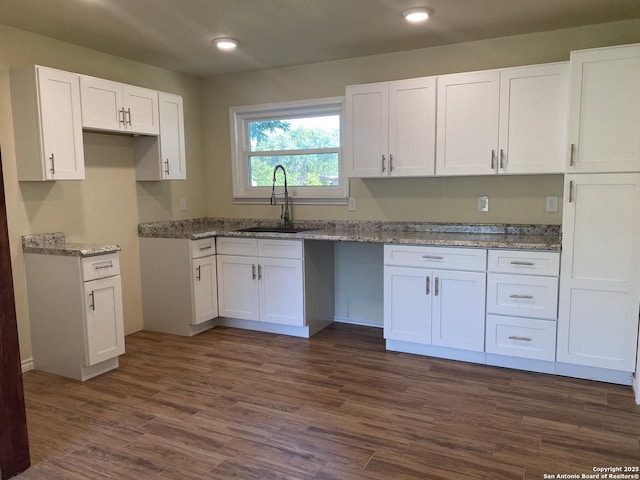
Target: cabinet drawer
450	258
237	246
522	295
280	248
100	266
521	337
523	262
203	247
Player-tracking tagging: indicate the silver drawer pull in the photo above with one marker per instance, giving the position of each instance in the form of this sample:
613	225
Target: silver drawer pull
208	247
433	257
102	265
523	297
523	264
520	339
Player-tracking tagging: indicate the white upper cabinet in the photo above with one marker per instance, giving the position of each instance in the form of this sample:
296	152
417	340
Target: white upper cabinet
502	121
163	157
600	279
391	128
114	106
533	119
467	139
47	124
604	114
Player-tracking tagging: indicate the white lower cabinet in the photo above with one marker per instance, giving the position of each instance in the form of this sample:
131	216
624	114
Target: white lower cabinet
441	306
179	284
261	288
522	303
600	280
75	307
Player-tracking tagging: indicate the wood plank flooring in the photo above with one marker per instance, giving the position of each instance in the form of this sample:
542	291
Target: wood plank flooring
245	405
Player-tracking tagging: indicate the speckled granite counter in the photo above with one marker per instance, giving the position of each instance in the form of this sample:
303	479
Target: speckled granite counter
529	237
55	244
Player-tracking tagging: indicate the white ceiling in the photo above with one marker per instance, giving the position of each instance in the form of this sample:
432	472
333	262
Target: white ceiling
177	34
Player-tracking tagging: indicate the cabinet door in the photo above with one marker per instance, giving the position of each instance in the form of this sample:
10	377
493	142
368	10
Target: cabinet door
467	126
407	304
412	127
604	115
599	275
238	287
281	291
172	150
366	145
533	118
205	289
61	123
140	110
101	104
104	319
458	309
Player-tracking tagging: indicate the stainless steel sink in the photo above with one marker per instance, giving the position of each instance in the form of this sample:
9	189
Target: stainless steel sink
273	230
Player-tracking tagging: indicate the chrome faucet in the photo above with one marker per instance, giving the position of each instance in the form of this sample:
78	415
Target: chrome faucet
284	215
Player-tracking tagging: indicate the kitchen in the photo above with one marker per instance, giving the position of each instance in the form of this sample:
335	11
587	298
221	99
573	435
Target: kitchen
109	204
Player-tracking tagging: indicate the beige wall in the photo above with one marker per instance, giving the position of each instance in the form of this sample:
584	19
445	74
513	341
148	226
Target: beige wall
513	199
108	205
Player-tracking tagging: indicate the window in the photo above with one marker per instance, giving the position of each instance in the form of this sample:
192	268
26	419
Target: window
304	137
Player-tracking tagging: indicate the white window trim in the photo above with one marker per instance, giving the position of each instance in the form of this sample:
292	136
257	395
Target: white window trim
239	116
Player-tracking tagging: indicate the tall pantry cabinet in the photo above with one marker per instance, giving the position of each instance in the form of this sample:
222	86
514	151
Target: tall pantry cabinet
600	279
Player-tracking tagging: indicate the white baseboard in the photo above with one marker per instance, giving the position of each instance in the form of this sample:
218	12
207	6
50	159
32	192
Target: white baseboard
27	365
636	387
365	322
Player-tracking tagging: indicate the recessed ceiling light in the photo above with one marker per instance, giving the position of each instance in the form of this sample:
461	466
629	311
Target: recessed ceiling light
416	15
224	43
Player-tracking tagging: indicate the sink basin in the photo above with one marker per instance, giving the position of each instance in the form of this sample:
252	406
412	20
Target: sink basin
273	230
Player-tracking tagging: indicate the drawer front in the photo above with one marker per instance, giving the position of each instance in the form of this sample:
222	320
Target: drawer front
523	262
203	247
100	266
275	248
522	295
521	337
447	258
247	247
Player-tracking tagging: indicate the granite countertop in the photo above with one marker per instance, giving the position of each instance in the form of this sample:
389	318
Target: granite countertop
55	244
529	237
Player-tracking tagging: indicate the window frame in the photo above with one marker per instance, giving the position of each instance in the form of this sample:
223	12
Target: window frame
239	118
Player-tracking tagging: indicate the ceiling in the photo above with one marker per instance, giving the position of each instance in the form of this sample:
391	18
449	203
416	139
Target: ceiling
177	34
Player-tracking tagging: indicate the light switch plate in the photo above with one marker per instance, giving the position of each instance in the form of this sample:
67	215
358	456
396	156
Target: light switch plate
351	206
183	204
552	204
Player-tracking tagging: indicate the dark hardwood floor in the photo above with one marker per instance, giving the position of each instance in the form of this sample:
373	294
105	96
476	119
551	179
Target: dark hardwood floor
237	404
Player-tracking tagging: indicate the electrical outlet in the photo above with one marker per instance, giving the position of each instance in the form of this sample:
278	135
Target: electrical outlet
483	204
552	204
183	204
351	206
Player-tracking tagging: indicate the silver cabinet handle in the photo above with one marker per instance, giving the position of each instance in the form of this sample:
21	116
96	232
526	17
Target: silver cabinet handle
521	339
121	114
493	159
253	272
437	287
501	159
390	162
53	164
428	292
129	116
198	277
102	265
259	272
524	264
570	191
572	154
208	247
166	166
384	167
522	297
92	302
433	257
